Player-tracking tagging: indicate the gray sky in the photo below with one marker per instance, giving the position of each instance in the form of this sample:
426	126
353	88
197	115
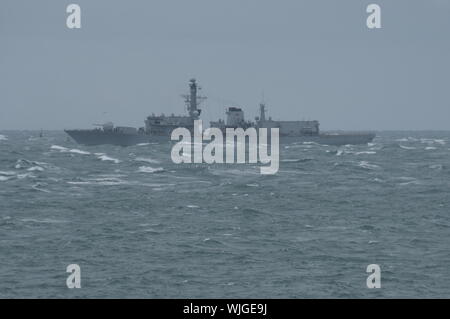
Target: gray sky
313	59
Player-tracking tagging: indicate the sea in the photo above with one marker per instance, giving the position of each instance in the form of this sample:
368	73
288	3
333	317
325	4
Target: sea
140	226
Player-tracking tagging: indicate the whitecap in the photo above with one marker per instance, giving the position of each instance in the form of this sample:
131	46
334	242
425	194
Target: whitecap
148	169
38	188
147	160
192	206
415	182
4	178
79	183
7	173
292	160
111	183
407	147
310	143
3	138
432	141
59	148
103	181
44	221
104	157
367	165
252	185
366	152
430	148
35	168
76	151
26	175
339	152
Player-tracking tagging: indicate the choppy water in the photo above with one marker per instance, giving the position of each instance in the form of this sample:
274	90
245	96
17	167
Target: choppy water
140	226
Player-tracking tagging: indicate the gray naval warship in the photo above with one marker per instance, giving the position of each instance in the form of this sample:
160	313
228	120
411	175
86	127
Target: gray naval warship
159	127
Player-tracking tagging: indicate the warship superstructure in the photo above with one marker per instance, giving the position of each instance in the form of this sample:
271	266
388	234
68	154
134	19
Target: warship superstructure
160	127
157	127
291	131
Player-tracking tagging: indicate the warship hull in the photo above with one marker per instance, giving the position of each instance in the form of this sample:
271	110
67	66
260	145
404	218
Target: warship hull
97	137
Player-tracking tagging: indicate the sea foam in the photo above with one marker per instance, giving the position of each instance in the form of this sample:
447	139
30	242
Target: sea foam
148	169
147	160
104	157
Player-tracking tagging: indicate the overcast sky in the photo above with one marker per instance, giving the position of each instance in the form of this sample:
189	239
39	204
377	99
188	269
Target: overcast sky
313	59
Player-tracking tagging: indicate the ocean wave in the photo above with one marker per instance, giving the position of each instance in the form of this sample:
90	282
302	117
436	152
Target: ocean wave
104	157
406	180
63	149
43	221
145	144
3	138
38	188
77	151
341	152
7	173
414	182
26	175
432	141
31	165
311	143
407	147
252	185
148	169
367	165
407	139
366	152
296	160
101	181
147	160
59	148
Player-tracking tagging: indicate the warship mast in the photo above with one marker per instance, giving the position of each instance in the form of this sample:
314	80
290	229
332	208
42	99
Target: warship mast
262	112
193	100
